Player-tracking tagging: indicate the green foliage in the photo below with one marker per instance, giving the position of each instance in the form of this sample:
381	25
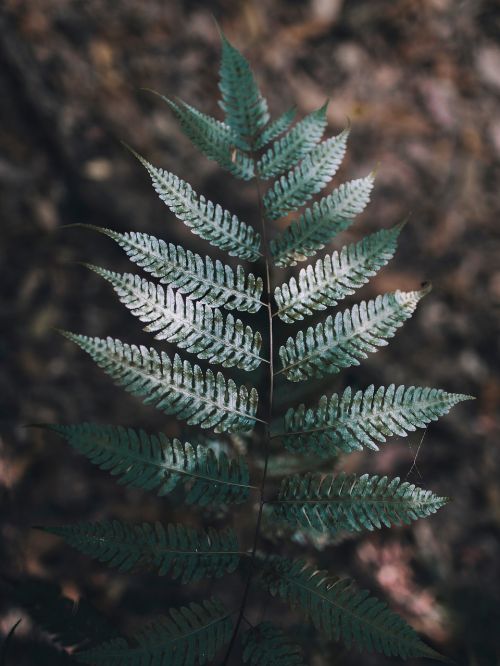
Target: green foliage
154	462
340	611
266	645
275	128
245	108
308	178
214	138
319	224
335	277
329	503
188	636
342	341
296	144
193	326
211	282
350	422
180	551
211	222
185	308
175	387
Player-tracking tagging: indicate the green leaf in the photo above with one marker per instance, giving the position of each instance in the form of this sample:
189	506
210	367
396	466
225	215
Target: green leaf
341	342
193	326
295	145
212	282
307	179
211	222
341	611
175	387
347	422
274	129
319	224
336	276
187	636
214	138
180	551
329	503
245	108
155	462
266	645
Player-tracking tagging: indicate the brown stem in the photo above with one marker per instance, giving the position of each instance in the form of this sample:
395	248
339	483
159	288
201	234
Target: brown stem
267	428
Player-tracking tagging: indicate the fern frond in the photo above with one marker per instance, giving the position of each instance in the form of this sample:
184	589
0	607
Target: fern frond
284	154
307	179
346	502
193	326
155	462
214	138
319	224
347	422
180	551
341	611
212	282
336	276
211	222
266	645
274	129
188	636
175	387
341	342
245	108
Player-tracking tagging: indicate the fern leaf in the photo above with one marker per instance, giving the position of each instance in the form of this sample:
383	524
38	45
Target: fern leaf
191	325
211	222
329	503
187	636
214	138
307	179
245	108
274	129
347	422
319	224
266	645
175	387
212	282
180	551
341	342
154	462
341	611
336	276
295	145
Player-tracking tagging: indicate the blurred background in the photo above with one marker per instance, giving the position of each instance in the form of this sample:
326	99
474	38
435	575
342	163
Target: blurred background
420	82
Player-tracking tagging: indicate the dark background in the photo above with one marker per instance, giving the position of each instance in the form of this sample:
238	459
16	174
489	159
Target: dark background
420	82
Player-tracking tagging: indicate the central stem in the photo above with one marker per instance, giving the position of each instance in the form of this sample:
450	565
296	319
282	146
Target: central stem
267	426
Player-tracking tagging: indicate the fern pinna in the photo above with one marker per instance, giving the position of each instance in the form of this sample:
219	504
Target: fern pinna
190	301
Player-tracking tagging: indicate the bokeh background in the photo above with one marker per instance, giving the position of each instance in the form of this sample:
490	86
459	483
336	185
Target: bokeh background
420	82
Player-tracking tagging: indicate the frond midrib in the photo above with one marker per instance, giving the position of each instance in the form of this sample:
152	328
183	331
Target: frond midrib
139	295
160	258
163	465
361	619
321	284
157	550
356	418
196	208
318	350
359	500
308	229
180	389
